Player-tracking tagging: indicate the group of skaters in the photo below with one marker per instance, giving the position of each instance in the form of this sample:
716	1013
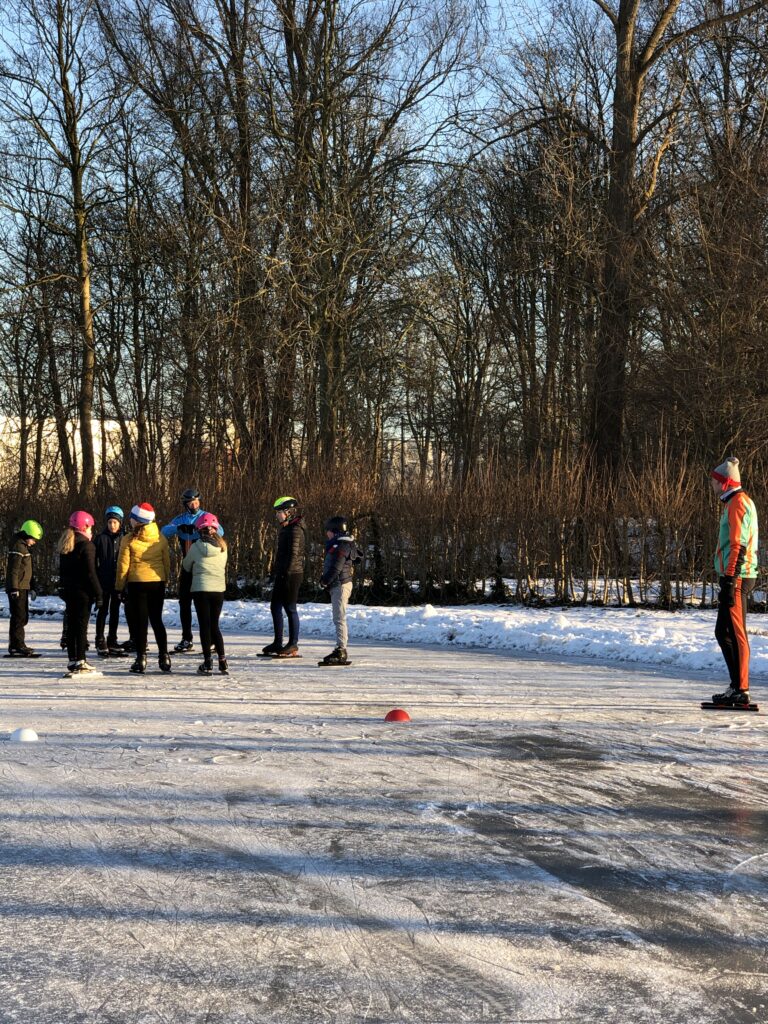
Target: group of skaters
127	565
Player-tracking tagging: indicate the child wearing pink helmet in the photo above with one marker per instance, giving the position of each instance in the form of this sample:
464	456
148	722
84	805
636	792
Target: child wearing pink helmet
206	560
80	586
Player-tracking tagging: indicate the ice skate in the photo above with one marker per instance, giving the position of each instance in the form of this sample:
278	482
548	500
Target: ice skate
22	652
206	668
289	651
140	665
223	667
164	662
732	696
733	699
338	656
271	650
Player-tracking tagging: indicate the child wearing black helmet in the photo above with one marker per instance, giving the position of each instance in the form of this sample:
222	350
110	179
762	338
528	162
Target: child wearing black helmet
288	573
184	528
341	556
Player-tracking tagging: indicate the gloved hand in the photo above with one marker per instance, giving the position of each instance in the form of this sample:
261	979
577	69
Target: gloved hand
726	598
98	602
33	595
120	596
13	593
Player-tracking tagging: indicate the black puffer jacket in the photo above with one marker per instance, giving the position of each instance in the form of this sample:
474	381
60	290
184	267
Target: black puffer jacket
290	548
18	573
77	569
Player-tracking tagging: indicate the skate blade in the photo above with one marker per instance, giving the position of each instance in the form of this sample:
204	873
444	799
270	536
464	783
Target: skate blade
707	705
334	664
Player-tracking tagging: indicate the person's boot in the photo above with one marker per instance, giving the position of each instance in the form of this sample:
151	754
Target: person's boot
140	665
184	647
223	667
206	668
732	697
164	661
129	647
101	645
271	649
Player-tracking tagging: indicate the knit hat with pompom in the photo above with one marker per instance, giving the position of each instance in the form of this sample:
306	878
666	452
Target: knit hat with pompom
143	513
727	473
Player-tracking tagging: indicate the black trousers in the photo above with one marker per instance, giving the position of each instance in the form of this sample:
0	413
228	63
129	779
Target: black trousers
18	608
185	604
146	602
208	605
284	599
111	607
78	604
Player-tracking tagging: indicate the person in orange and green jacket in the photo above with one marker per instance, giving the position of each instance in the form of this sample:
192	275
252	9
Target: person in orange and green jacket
736	566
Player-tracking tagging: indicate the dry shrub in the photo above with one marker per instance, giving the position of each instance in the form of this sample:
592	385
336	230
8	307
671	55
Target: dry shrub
537	531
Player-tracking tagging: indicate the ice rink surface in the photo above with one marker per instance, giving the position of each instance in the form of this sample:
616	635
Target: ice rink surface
544	841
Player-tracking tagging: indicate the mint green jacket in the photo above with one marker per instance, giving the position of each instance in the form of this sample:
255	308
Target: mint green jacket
208	565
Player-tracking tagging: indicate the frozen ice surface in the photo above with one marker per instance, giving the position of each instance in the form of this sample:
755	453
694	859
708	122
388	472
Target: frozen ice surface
547	840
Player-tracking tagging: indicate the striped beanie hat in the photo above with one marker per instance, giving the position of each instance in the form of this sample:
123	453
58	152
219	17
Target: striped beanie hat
143	513
727	473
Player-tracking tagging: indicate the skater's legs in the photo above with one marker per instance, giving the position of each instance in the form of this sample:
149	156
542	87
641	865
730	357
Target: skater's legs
19	615
339	601
78	604
185	604
731	634
155	601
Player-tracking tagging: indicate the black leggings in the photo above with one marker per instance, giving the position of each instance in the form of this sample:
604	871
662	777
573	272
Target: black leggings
146	601
208	605
284	598
78	604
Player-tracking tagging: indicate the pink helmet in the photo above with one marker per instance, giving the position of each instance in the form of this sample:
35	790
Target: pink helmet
80	521
207	521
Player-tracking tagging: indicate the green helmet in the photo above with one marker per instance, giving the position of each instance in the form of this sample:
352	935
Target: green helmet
284	504
32	529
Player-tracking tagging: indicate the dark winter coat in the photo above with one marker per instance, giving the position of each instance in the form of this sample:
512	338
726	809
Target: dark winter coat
18	573
341	556
107	546
77	569
290	548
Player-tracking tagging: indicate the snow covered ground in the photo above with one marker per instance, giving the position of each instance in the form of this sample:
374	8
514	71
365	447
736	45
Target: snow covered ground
549	838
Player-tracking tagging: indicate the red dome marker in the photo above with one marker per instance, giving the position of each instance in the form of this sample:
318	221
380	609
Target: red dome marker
397	715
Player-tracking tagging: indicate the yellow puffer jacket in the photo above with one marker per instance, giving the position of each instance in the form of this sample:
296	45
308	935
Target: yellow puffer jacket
143	557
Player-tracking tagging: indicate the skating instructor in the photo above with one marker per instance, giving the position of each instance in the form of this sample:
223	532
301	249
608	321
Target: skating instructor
736	566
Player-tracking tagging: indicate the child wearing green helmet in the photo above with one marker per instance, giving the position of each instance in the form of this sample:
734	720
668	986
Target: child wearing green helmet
18	584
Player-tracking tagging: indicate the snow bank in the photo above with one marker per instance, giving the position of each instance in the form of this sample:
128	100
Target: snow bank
683	640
